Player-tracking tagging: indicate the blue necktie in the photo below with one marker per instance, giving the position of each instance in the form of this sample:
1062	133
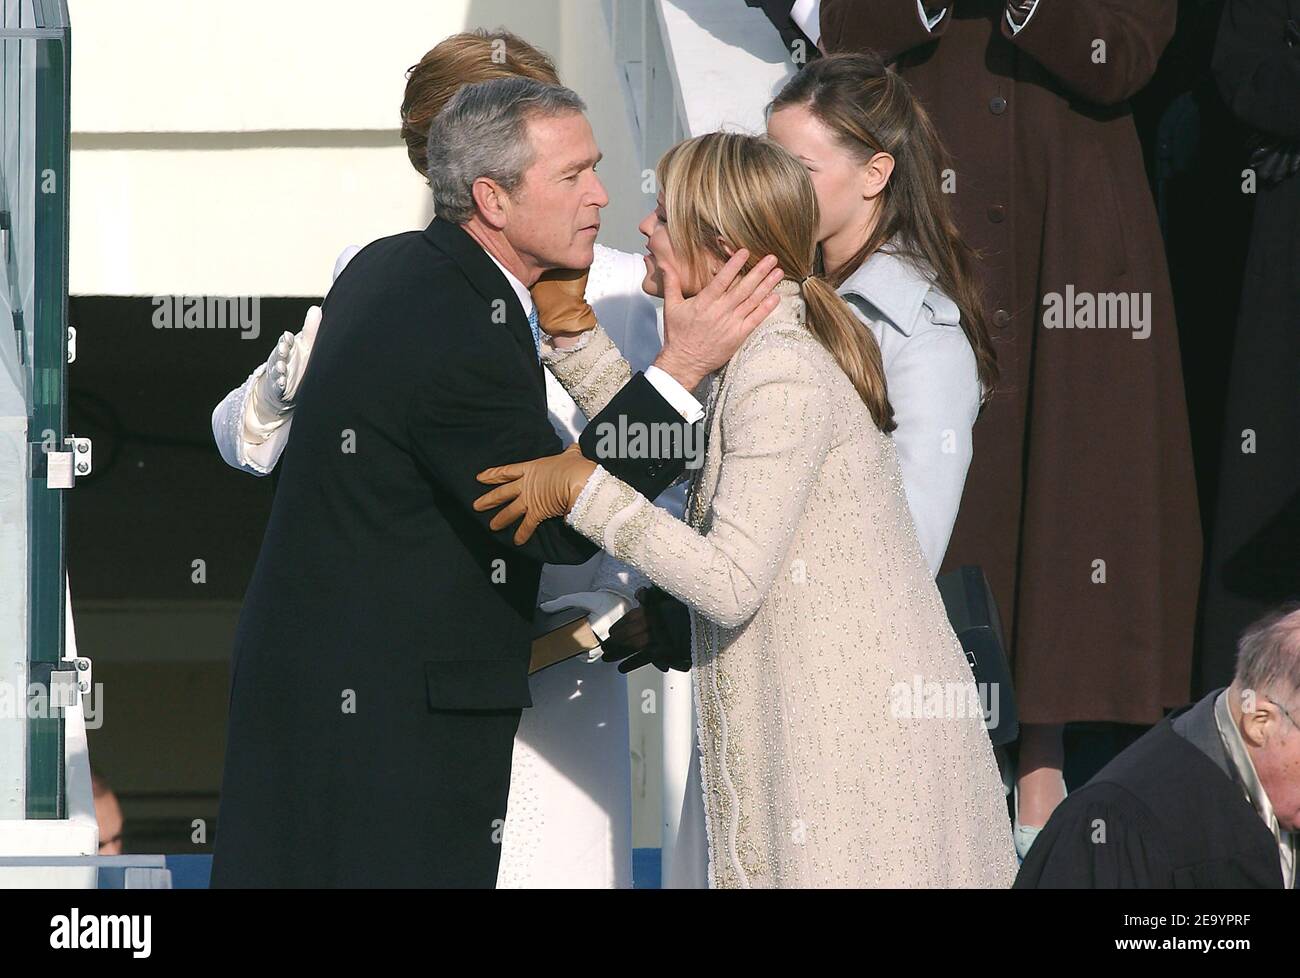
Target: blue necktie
537	331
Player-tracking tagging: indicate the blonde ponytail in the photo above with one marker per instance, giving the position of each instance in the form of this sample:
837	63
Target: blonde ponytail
852	345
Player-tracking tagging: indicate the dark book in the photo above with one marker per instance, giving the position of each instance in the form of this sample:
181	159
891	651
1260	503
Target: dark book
559	636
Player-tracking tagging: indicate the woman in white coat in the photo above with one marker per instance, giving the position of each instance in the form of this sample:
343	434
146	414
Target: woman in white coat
569	819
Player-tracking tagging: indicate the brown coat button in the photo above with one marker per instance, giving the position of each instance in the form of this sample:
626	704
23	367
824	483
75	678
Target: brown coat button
997	105
1001	319
997	213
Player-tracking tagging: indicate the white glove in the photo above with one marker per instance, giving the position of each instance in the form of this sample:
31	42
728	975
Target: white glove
603	609
274	393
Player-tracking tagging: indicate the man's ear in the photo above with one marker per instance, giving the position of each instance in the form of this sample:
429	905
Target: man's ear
1254	723
726	248
875	175
492	202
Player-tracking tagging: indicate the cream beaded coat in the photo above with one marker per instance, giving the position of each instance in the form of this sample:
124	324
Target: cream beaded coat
841	740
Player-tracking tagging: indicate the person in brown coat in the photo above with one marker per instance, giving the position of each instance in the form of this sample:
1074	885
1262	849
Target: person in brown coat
1081	502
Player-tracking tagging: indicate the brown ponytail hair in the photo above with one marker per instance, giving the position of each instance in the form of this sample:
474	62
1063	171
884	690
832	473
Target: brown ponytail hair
871	110
750	193
463	59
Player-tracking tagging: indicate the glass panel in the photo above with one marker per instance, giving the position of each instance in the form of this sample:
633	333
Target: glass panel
13	436
33	291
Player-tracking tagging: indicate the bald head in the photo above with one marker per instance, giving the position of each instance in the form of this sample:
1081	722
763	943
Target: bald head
1268	654
1265	702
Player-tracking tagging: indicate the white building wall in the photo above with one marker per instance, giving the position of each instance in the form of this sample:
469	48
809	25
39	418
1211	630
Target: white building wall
234	147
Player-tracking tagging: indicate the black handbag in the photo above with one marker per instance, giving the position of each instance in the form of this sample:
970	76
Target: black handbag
973	614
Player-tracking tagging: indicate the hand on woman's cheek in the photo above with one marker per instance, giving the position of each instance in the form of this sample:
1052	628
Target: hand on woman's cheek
665	258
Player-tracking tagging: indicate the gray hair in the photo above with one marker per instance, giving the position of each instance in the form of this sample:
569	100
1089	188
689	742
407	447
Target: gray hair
483	132
1268	654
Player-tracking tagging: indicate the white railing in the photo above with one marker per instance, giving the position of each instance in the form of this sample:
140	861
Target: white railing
47	849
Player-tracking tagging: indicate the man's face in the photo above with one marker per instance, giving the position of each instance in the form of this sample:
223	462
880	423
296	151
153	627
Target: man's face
108	813
554	214
1277	762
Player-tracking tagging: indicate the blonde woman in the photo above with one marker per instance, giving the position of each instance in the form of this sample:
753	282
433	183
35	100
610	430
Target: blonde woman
814	614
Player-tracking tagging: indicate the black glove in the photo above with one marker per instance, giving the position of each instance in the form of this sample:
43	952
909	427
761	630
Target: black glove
658	633
1274	160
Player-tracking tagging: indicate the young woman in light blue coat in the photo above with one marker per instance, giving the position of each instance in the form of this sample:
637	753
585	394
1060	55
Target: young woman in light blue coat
890	247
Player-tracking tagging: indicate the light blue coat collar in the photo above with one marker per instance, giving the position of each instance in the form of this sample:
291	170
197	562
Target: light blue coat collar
896	289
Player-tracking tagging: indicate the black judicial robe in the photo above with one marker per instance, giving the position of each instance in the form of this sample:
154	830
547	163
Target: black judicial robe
1165	813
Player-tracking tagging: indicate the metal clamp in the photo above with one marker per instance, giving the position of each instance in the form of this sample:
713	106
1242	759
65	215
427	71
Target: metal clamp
63	683
63	468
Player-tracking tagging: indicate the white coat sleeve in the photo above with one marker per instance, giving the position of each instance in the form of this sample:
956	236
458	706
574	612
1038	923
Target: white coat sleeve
245	441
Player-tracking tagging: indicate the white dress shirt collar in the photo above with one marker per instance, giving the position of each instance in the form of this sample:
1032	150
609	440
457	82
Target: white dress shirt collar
521	290
1017	28
806	15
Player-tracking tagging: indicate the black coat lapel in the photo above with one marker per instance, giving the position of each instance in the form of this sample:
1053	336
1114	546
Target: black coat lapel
488	280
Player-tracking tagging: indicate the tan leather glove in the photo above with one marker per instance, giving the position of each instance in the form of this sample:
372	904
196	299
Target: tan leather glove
535	491
562	307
